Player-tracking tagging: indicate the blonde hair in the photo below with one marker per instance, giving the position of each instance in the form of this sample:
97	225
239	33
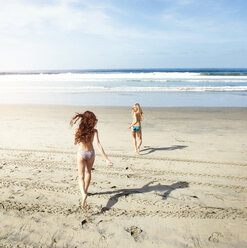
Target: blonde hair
139	111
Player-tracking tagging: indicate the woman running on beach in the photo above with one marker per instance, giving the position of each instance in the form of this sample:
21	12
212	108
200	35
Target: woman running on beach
84	137
137	117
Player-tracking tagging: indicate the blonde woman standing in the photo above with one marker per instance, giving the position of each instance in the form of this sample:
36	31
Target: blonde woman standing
137	117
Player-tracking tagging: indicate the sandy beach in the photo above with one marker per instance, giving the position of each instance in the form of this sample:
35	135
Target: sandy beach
187	188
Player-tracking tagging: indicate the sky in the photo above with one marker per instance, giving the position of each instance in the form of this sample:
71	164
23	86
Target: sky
111	34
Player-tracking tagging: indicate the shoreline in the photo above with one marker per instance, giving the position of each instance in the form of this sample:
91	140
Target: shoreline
125	99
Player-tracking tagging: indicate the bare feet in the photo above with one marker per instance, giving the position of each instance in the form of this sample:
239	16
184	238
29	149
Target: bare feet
83	202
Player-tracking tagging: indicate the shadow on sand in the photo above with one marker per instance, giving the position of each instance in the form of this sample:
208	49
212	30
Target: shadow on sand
153	149
161	190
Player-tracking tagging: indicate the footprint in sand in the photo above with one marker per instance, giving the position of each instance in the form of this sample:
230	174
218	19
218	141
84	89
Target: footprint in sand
134	231
215	237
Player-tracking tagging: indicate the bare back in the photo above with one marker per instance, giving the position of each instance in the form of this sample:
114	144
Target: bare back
89	145
137	119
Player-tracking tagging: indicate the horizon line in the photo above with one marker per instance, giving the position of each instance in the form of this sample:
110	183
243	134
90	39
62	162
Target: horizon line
122	69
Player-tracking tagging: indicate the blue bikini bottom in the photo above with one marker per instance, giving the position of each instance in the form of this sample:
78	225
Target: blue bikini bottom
136	128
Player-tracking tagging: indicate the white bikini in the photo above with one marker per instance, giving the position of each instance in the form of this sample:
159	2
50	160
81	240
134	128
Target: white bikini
86	155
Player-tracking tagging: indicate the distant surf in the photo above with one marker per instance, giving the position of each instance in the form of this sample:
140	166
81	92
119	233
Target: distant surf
127	81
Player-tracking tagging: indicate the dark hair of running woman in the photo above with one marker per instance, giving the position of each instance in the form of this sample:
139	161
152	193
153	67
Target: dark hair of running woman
84	136
137	117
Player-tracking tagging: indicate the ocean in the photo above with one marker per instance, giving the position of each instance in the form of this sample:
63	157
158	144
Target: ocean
124	87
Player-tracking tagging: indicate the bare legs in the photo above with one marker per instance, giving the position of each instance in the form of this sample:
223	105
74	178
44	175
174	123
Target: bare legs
134	139
139	135
84	176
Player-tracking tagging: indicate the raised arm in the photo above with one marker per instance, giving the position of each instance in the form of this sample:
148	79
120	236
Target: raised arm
100	148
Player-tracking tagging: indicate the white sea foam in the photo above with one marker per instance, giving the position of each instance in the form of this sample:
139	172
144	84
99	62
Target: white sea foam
120	82
80	77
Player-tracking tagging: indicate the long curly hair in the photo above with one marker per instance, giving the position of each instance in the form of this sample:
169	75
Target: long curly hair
85	130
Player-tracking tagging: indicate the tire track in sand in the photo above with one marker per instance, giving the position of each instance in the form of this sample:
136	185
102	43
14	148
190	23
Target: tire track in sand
162	208
140	157
185	212
50	165
144	175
